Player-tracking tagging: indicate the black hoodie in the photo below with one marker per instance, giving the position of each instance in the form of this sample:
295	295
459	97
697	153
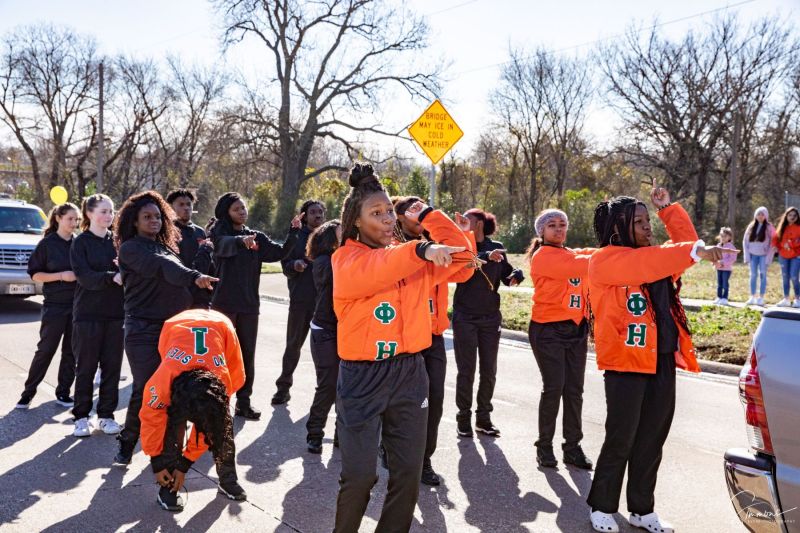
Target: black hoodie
51	255
474	296
301	284
97	297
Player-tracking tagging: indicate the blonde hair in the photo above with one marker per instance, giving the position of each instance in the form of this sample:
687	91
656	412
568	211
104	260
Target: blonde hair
725	230
89	203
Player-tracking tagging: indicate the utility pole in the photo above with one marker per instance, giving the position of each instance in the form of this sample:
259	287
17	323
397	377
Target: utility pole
433	185
733	181
101	142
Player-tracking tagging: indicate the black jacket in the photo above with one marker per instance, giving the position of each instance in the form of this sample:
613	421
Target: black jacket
191	237
474	296
51	255
239	269
301	284
204	263
324	316
156	282
97	296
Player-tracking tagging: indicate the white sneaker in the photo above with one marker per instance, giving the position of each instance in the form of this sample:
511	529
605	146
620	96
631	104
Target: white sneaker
716	301
651	523
97	378
83	428
760	300
723	301
751	301
603	522
796	303
784	303
109	426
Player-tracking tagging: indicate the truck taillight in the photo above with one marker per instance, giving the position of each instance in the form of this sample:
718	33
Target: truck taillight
753	399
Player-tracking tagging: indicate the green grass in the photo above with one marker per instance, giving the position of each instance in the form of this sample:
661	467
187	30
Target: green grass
723	333
271	268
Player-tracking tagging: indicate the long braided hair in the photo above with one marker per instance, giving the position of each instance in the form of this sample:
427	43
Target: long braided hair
613	226
363	182
200	397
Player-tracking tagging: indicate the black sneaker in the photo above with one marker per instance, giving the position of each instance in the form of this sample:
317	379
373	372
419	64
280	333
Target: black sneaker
24	402
487	428
248	412
545	457
465	428
233	491
576	457
429	477
314	445
170	501
383	457
65	401
124	451
281	397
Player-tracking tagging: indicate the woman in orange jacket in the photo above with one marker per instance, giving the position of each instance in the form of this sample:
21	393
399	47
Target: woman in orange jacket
641	336
201	367
380	296
558	334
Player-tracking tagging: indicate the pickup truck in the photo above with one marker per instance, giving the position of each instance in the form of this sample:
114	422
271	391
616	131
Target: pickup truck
21	227
764	480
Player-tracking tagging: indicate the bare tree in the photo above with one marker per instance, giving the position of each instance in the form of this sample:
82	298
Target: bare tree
333	62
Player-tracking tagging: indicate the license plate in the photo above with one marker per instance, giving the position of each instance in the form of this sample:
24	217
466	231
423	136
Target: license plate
21	289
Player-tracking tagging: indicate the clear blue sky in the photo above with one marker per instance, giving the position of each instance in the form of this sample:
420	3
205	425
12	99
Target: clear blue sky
474	34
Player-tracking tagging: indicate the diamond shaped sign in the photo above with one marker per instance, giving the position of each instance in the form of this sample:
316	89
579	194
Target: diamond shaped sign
435	132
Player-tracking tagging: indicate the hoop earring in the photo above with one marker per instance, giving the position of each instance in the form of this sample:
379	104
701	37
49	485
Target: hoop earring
611	240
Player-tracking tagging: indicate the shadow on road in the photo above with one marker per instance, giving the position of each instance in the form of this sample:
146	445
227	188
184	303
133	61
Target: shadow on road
18	311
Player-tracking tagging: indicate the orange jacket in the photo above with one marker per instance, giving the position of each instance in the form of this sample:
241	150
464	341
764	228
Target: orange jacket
559	283
625	331
440	294
789	245
197	338
381	295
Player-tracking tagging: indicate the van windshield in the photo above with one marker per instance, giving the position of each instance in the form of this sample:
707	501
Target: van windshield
21	220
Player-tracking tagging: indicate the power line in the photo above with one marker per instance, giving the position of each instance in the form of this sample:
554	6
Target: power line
587	43
445	10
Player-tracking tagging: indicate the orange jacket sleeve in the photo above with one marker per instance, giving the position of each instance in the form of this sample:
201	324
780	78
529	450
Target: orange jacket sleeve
362	273
153	414
195	447
565	267
634	266
678	224
234	360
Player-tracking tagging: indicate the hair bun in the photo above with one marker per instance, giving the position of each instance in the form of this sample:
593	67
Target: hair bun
360	174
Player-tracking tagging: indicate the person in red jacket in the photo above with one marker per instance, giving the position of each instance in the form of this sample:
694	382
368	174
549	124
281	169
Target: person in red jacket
558	334
380	296
201	367
641	335
787	242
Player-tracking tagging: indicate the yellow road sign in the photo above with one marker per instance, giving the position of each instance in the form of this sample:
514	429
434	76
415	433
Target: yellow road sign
435	132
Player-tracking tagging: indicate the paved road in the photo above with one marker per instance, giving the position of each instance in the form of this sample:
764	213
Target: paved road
51	481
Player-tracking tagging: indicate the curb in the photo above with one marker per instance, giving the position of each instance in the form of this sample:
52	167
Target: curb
712	367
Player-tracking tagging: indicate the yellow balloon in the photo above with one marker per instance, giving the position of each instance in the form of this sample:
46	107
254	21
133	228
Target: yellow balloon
58	194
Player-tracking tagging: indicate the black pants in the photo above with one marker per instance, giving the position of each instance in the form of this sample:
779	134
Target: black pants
381	399
246	325
640	409
300	315
97	343
141	347
56	328
326	364
174	438
475	338
436	365
560	352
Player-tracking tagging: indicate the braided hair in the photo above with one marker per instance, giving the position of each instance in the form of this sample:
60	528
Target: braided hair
363	182
613	226
200	397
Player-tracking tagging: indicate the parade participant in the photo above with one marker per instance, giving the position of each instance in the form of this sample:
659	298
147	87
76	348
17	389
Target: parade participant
298	270
49	264
758	253
436	356
724	266
641	336
156	287
321	245
182	203
558	334
380	294
201	367
98	316
238	254
204	263
787	242
476	326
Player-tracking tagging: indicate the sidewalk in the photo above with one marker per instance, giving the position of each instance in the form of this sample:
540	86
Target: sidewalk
273	288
